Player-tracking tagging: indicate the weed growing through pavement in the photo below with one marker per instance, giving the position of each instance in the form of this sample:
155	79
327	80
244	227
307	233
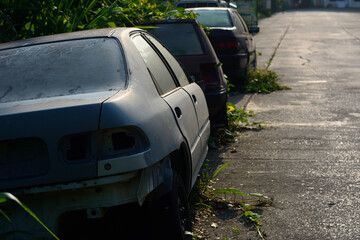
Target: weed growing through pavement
263	81
204	196
238	120
258	81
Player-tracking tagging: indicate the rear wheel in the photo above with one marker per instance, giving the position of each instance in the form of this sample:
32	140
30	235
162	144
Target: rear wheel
174	212
254	62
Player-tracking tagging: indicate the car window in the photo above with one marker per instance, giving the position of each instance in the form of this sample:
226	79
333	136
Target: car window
207	5
174	64
214	18
61	68
187	5
240	22
180	39
155	65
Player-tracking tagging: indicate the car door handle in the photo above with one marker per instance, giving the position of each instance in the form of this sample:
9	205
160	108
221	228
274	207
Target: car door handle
194	98
178	112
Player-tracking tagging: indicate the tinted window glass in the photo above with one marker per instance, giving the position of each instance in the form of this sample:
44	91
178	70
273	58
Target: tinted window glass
155	65
61	68
199	4
191	5
175	66
238	22
242	22
179	38
214	18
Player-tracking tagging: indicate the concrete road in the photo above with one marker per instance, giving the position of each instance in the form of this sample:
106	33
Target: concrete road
308	157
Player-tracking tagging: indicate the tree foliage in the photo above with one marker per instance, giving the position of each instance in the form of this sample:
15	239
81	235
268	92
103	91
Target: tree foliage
21	19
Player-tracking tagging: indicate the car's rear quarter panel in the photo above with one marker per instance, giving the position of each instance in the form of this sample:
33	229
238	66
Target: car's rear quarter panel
140	105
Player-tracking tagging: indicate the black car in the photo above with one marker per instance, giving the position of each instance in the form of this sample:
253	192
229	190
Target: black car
231	39
188	42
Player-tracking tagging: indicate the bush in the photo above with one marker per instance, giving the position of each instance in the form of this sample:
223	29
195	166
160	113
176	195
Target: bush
263	81
21	19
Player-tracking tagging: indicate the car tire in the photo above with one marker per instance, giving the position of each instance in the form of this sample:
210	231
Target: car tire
254	63
220	119
174	212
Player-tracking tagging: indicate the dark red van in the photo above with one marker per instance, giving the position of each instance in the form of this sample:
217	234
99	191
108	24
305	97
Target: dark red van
188	42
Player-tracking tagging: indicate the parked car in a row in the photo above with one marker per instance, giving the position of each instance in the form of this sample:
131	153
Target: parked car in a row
231	39
200	3
188	42
93	120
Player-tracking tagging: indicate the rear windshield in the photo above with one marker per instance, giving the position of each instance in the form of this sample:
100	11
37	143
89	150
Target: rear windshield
179	38
61	68
214	18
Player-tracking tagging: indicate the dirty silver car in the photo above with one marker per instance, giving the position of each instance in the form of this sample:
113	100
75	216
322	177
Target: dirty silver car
97	119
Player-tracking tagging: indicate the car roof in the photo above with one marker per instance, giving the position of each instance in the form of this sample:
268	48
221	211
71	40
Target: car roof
210	8
104	32
197	1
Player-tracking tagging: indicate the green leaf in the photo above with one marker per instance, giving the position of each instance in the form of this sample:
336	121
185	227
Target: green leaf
228	191
4	214
3	197
248	213
218	65
219	170
246	205
255	216
203	204
9	196
258	195
111	24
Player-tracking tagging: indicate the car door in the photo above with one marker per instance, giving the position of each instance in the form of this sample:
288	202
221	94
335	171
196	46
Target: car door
176	97
198	101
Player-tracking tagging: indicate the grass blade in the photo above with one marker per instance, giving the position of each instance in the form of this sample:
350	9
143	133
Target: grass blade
219	170
4	196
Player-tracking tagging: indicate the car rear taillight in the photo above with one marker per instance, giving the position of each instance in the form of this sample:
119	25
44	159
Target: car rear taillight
101	145
211	74
121	142
226	45
76	148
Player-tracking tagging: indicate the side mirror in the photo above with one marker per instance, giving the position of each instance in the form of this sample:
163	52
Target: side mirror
254	29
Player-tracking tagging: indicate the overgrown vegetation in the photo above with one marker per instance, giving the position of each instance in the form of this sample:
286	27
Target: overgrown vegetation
263	81
258	81
276	6
21	19
206	197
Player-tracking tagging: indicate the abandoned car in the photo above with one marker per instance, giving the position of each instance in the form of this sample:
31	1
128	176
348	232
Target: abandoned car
96	119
